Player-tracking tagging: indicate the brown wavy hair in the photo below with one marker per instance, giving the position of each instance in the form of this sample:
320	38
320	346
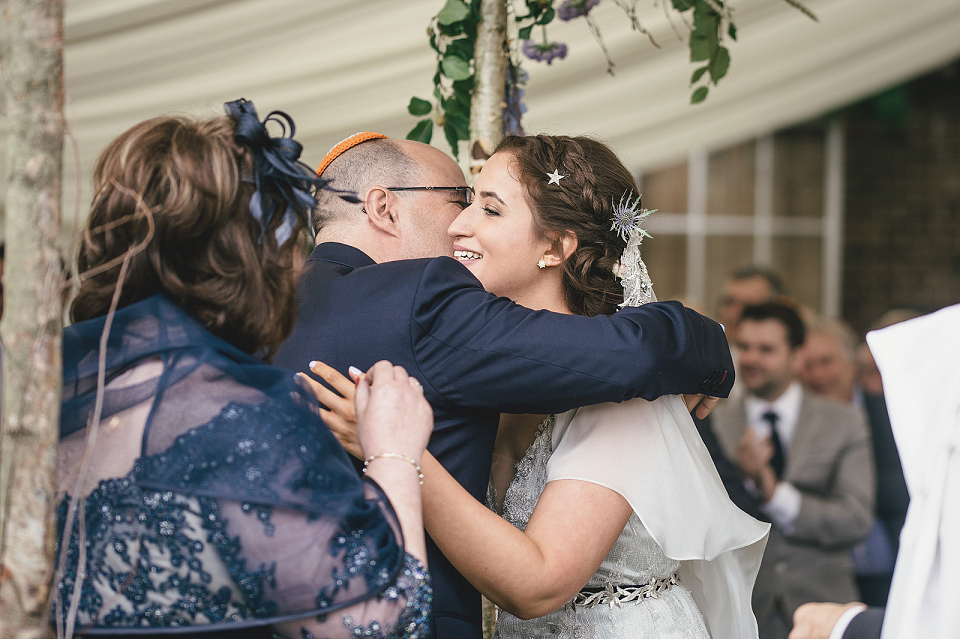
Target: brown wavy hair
172	194
595	179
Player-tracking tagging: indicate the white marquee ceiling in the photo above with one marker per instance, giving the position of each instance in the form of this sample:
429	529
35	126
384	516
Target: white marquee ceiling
340	66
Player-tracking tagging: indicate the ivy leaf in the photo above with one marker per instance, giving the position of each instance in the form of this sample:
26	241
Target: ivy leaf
705	22
462	48
547	17
732	31
700	49
422	132
719	64
463	88
455	67
455	108
450	131
698	74
453	11
419	107
460	123
524	33
699	95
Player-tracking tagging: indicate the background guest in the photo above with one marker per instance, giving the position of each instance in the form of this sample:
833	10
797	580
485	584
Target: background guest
808	460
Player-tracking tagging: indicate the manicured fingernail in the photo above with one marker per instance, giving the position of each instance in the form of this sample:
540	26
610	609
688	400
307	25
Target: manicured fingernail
313	363
297	375
353	370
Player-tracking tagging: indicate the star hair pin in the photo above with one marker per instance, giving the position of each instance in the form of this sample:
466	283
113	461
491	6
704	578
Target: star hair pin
627	216
555	177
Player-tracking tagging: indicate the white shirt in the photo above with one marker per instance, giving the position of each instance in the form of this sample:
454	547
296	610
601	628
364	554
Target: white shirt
787	408
784	506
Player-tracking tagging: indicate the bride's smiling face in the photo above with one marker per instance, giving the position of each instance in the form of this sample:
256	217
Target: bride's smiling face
495	236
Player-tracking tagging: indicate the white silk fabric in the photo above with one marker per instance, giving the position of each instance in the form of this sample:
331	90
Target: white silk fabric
652	455
919	361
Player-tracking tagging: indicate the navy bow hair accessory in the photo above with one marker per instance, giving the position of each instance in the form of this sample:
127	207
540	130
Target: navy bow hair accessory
278	174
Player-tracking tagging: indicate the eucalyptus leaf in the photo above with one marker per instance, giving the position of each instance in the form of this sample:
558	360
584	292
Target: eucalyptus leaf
732	31
699	95
455	67
419	107
524	33
682	5
719	64
453	11
698	74
423	132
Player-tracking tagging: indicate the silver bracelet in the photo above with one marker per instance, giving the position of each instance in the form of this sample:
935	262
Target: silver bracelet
409	460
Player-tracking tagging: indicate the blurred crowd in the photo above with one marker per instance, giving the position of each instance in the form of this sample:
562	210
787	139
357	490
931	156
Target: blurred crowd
805	443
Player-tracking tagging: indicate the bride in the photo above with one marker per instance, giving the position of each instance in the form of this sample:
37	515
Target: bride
614	521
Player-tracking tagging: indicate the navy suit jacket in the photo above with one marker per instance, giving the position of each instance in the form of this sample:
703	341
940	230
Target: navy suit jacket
865	625
478	355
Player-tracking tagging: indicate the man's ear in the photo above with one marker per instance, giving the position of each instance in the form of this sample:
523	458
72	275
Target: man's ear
561	248
380	205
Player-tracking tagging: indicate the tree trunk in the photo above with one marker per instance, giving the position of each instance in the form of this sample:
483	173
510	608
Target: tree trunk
32	322
490	74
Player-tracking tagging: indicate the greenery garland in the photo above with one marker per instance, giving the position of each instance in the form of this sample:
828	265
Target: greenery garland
453	33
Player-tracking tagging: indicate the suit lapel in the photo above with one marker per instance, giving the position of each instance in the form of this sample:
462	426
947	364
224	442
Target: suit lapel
734	423
803	438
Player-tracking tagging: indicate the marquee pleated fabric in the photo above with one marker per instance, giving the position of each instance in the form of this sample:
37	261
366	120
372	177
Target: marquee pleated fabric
342	66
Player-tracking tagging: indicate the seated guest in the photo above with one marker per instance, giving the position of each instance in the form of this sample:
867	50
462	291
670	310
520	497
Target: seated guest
201	493
808	460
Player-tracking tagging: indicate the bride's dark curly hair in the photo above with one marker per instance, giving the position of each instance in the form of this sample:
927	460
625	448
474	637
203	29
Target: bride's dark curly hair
179	190
595	179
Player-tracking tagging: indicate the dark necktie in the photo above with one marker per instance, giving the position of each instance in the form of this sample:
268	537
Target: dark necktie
777	460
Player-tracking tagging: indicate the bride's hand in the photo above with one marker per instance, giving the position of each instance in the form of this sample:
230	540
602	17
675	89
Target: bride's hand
393	417
340	414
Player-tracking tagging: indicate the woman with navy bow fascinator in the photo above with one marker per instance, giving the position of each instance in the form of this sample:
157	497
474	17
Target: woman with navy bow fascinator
201	493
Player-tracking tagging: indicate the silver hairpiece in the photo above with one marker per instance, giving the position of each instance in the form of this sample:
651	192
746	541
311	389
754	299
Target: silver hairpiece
628	216
555	177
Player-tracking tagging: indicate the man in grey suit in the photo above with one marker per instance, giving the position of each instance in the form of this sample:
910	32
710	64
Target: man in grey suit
809	462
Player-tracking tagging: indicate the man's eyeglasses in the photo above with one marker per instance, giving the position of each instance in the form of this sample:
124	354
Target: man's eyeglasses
466	191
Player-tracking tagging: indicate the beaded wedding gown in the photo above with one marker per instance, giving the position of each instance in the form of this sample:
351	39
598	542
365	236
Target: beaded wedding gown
684	565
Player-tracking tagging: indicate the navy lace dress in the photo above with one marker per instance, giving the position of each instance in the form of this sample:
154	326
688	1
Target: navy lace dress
211	500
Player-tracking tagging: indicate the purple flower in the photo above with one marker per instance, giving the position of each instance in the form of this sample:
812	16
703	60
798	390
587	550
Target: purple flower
571	9
545	51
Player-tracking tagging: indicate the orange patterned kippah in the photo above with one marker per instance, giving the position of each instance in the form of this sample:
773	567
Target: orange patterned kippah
344	146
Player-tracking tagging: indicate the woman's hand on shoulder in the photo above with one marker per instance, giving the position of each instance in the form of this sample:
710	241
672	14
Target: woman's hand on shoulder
392	414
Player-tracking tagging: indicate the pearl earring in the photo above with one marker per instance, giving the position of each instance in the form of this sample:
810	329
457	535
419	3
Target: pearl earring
541	263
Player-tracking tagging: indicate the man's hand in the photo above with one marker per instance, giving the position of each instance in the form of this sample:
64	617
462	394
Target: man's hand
753	455
703	403
816	620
